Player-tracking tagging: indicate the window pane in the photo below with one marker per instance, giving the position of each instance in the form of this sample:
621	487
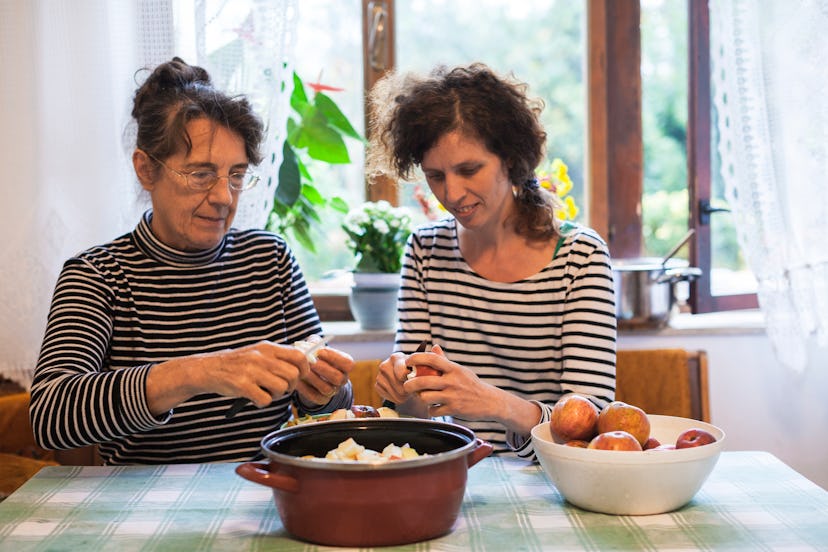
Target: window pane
664	208
540	41
329	50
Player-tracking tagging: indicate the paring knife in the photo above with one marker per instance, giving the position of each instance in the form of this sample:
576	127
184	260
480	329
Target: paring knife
421	348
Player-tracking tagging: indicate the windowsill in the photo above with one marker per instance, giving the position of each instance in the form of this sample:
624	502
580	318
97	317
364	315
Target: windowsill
715	323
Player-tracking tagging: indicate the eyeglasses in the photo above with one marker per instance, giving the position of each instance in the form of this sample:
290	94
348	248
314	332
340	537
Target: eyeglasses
202	181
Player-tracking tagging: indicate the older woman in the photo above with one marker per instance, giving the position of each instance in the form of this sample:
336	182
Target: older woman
152	336
518	309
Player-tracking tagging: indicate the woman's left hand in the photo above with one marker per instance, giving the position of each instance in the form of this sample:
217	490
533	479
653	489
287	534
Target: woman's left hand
325	377
456	391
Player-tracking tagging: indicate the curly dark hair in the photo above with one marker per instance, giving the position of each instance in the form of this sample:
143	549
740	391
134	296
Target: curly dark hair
410	113
176	93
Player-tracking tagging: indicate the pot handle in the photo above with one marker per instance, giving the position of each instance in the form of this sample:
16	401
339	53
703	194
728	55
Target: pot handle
258	473
481	451
678	274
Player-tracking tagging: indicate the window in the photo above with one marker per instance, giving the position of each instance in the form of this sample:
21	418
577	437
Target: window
644	119
541	42
726	283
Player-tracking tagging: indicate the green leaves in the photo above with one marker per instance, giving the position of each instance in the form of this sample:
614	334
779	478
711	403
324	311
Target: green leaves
321	126
316	132
290	182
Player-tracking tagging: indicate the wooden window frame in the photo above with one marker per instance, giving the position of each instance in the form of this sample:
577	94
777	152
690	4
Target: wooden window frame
699	166
615	159
615	150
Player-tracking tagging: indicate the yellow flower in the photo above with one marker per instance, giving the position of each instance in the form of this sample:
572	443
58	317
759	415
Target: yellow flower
556	180
570	210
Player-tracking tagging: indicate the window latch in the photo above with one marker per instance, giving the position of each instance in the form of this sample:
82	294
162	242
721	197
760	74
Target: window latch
705	209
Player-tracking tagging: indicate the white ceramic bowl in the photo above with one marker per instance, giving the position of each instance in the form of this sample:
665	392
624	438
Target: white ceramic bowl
630	483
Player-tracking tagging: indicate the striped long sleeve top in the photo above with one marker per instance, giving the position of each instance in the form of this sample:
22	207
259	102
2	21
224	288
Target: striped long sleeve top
539	338
122	307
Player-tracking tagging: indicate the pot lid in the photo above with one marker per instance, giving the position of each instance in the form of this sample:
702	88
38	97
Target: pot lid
440	441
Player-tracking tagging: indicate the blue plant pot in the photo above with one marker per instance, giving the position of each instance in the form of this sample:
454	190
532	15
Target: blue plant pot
373	300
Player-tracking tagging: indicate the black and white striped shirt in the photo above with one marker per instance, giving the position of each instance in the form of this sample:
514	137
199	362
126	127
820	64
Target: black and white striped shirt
538	338
120	308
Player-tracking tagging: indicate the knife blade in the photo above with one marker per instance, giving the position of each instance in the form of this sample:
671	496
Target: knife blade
421	348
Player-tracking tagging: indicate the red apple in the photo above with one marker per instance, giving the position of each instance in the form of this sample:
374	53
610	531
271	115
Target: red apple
615	440
620	416
651	443
574	418
664	447
577	443
364	411
694	437
421	370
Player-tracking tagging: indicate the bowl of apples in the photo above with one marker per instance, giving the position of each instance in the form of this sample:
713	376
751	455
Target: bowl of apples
623	461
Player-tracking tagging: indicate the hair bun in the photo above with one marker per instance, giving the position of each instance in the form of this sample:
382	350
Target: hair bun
170	80
179	74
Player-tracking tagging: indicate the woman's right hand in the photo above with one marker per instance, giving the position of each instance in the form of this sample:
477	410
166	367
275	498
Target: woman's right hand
392	374
261	372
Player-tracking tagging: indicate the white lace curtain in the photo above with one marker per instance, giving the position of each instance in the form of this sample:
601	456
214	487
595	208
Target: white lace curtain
771	92
69	73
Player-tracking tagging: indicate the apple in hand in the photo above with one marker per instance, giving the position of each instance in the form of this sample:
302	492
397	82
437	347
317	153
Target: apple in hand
620	416
574	418
694	437
615	440
422	370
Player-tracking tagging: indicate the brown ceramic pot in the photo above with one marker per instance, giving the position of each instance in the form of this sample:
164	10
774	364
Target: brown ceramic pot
363	505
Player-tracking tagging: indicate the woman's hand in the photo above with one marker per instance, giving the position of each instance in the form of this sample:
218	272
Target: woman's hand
325	377
454	391
391	375
457	391
261	372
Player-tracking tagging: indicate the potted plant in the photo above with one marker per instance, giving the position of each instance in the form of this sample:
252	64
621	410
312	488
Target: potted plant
377	233
316	133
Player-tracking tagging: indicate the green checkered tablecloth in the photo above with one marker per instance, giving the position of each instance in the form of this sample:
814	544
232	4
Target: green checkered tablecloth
752	501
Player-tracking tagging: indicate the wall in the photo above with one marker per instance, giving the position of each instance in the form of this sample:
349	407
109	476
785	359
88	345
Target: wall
758	402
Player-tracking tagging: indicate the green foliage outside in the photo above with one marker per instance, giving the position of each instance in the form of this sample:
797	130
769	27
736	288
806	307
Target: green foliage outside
665	206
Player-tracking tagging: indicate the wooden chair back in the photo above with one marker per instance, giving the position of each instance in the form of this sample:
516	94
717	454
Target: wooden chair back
363	377
672	382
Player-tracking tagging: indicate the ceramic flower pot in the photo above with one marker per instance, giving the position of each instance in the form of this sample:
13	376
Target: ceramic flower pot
373	299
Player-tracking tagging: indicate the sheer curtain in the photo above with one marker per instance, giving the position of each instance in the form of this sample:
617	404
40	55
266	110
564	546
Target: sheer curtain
69	71
771	93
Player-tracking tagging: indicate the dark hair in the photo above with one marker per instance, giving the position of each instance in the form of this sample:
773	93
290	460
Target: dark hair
409	114
176	93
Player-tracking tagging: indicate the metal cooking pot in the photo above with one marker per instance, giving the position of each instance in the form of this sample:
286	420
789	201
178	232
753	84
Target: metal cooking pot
645	290
363	505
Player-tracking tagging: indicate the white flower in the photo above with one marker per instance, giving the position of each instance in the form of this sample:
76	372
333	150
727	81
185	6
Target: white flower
377	233
355	219
383	206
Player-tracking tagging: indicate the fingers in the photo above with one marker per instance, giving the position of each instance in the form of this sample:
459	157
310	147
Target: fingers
326	376
392	374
